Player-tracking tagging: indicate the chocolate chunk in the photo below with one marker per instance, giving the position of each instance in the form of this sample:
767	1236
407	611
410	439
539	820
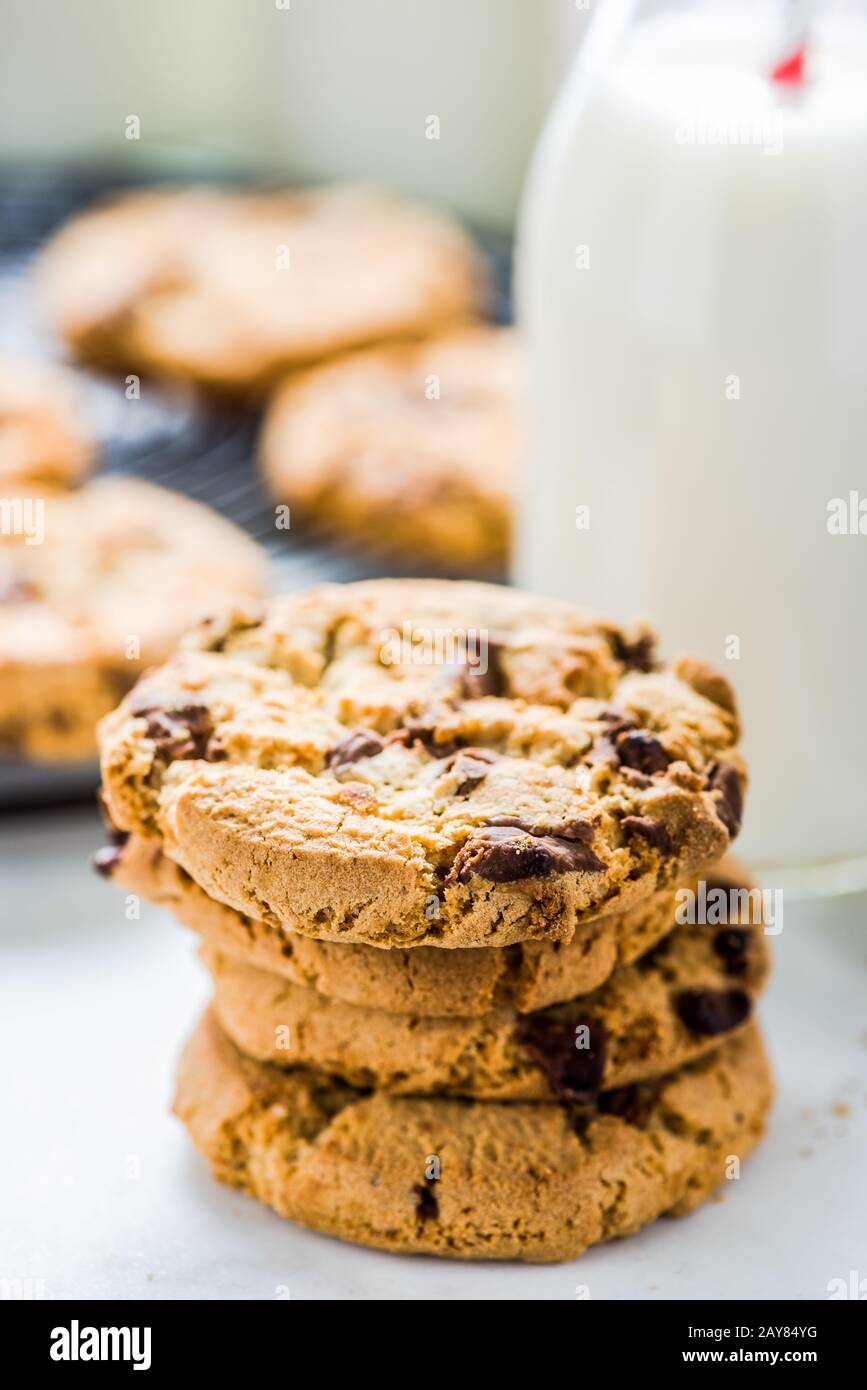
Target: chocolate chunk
712	1011
653	831
637	655
574	1073
507	850
732	944
470	766
604	749
106	860
427	1207
656	955
415	732
725	782
476	684
363	743
641	751
501	855
632	1104
180	732
627	745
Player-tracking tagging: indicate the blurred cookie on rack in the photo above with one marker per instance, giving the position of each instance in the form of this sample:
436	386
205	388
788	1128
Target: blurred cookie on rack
230	289
410	450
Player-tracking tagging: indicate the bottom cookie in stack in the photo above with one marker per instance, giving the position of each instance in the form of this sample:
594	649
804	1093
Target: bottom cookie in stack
528	1181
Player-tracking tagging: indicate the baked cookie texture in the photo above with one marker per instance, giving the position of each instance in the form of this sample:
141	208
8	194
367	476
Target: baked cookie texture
121	569
231	289
408	763
420	981
412	450
696	986
45	438
535	1182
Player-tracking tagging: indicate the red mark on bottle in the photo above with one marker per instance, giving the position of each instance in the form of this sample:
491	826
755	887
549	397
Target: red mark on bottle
791	69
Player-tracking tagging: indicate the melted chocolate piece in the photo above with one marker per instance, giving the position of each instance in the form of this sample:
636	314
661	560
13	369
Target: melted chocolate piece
625	744
502	855
507	850
712	1011
641	751
180	732
653	831
363	743
471	766
427	1207
654	957
425	735
725	782
635	656
732	945
632	1104
574	1073
476	684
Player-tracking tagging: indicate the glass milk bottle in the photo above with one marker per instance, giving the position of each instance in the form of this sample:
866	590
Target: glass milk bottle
692	283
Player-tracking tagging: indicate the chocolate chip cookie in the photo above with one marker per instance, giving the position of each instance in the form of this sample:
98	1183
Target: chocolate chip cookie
45	438
410	450
423	980
95	585
230	289
474	1180
405	763
649	1018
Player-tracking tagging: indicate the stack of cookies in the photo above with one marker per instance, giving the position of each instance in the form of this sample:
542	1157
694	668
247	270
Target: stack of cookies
436	838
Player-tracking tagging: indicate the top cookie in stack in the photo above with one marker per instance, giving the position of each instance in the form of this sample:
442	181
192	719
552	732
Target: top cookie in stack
423	763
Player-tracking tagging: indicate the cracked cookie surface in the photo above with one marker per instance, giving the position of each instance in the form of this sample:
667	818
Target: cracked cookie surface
692	990
230	290
426	762
122	570
421	980
410	450
535	1182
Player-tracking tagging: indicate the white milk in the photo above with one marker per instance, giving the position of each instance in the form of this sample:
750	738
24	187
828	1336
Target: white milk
693	284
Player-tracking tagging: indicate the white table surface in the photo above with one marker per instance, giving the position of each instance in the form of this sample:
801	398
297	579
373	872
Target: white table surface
101	1194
